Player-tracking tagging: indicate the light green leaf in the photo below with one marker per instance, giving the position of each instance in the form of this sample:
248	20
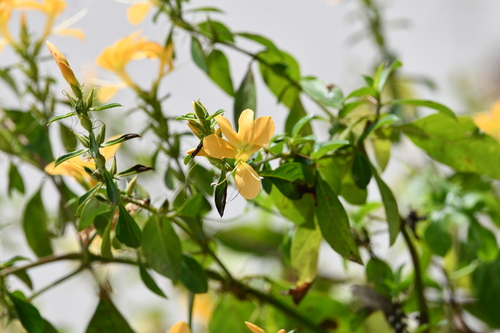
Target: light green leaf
304	253
322	92
428	104
323	148
105	107
219	71
438	238
62	116
66	157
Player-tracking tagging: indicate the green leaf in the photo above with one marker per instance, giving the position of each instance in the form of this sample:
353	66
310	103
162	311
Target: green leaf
133	170
193	276
382	149
379	273
35	226
323	148
107	318
15	180
384	120
347	108
25	278
386	73
106	242
246	96
84	200
282	69
304	253
162	250
230	315
324	93
428	104
216	31
7	78
28	315
458	144
292	179
66	157
62	116
297	128
259	39
362	92
123	138
361	170
390	207
260	240
149	282
105	107
68	138
438	238
127	230
219	71
298	211
486	289
91	211
195	206
220	196
483	241
334	223
198	54
111	190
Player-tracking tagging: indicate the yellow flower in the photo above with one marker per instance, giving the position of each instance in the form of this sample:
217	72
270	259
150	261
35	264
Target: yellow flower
74	166
63	65
6	7
180	327
115	58
257	329
252	136
489	122
138	11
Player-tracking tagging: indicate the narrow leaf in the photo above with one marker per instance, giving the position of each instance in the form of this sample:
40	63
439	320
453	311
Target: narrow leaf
85	199
198	54
428	104
219	71
390	207
386	73
62	116
300	124
246	96
28	315
66	157
111	189
149	282
15	180
105	107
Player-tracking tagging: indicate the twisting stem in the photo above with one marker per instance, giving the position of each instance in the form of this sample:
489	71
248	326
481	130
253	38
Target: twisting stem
419	283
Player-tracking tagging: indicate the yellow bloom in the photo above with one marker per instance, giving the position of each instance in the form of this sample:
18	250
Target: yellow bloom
63	65
138	11
180	327
257	329
489	122
114	58
6	7
74	166
252	136
51	8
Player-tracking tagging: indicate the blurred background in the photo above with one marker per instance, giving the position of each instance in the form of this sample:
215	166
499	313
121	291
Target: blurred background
451	46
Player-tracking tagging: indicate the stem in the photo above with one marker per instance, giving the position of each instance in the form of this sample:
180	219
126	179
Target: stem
419	284
55	283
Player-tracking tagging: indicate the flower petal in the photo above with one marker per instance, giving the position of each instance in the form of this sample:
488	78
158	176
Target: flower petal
73	32
137	12
245	126
247	181
217	147
254	328
227	130
263	131
180	327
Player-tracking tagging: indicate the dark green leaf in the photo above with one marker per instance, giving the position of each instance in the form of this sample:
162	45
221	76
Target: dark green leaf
28	315
123	138
438	238
486	289
106	242
105	107
216	31
107	318
149	282
483	241
246	96
428	104
390	207
138	168
5	75
35	226
91	211
68	138
458	144
324	93
304	253
292	179
198	54
361	170
111	189
193	276
127	230
220	196
201	177
23	276
195	206
334	223
379	273
62	116
219	71
15	180
66	157
162	250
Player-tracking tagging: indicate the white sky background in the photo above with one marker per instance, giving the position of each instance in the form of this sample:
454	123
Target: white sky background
445	39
